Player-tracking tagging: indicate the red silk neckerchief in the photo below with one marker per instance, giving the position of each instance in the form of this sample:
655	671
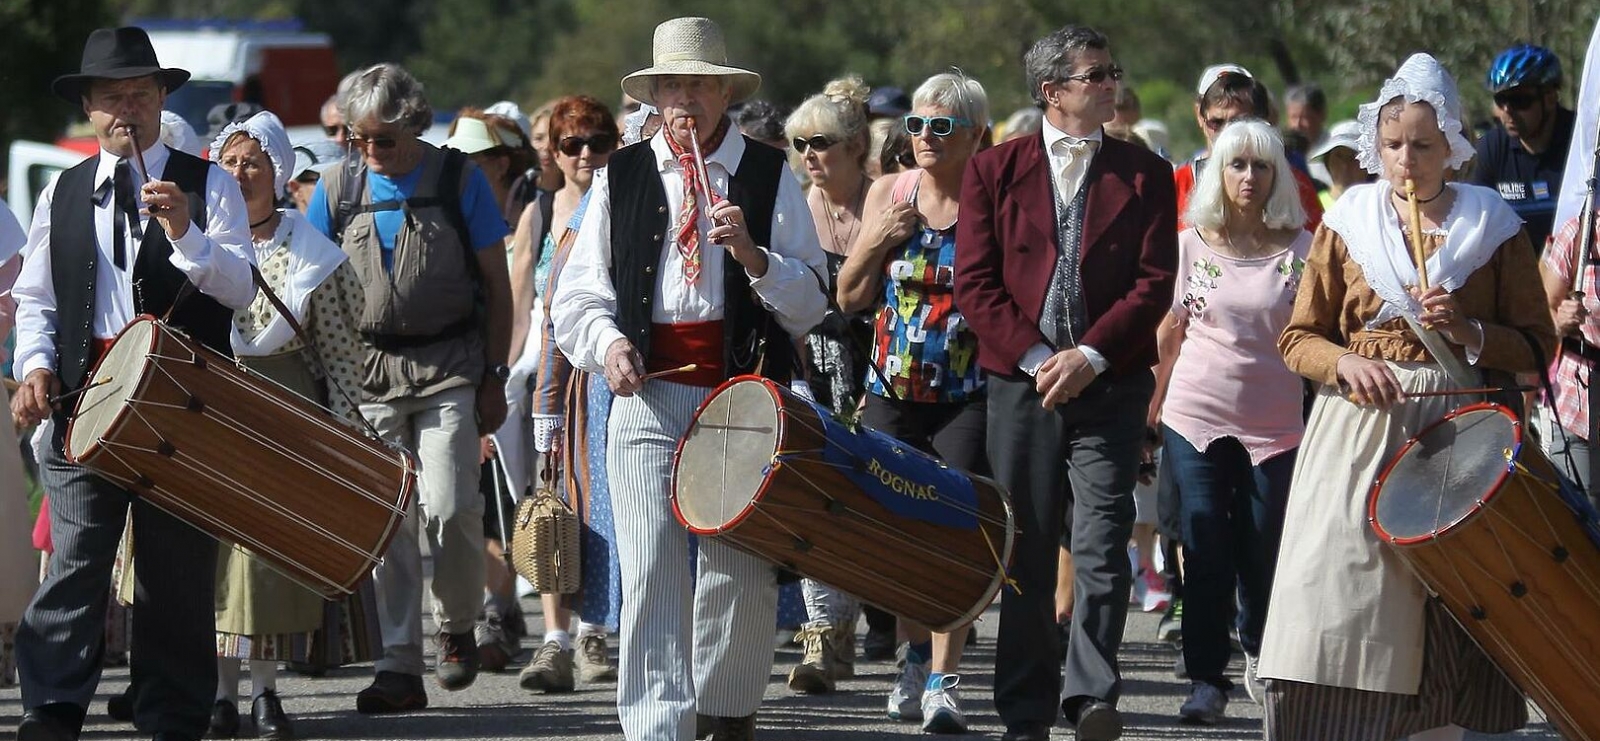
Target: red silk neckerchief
687	234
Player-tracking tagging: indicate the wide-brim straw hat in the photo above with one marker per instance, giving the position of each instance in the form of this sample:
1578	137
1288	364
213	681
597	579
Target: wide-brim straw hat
690	46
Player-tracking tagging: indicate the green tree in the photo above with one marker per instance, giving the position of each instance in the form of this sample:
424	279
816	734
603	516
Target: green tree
41	40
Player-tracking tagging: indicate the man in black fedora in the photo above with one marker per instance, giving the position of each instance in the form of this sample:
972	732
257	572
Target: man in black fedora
110	241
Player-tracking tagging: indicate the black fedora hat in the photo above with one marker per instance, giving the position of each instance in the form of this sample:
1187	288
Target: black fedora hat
117	54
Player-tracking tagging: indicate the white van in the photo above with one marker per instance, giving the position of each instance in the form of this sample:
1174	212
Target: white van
32	166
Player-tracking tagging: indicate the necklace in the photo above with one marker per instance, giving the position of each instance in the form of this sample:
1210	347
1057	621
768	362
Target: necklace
1435	196
263	221
1262	248
837	216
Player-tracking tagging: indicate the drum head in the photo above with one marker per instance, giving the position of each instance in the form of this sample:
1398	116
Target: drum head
1444	475
725	458
100	407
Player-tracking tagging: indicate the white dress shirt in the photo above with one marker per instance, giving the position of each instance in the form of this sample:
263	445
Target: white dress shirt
1040	352
217	260
584	307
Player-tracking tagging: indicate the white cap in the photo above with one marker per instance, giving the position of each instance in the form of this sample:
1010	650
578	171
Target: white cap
1215	71
514	112
316	156
1345	134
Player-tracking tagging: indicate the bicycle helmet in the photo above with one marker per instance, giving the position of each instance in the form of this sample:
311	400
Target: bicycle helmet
1524	64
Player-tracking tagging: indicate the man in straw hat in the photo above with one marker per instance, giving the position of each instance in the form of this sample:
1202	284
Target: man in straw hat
728	311
104	249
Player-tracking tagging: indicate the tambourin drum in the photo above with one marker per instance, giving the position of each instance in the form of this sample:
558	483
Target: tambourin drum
241	458
1485	521
772	474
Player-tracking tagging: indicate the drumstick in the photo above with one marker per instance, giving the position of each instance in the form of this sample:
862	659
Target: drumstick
1453	392
14	386
672	371
1417	251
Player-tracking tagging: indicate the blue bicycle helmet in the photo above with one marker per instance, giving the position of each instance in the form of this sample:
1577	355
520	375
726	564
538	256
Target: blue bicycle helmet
1524	64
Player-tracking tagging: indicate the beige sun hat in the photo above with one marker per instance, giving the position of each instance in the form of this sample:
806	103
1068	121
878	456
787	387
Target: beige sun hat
690	46
473	135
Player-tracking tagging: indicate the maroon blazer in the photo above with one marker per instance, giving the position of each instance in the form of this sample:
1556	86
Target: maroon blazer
1007	251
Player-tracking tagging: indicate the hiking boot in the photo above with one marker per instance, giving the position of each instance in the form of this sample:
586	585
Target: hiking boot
392	692
594	660
844	652
457	664
941	707
814	674
550	670
497	645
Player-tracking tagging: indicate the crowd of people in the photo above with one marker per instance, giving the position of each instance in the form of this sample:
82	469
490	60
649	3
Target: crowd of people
545	300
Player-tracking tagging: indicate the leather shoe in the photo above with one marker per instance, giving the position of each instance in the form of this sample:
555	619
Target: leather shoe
1030	732
271	721
120	707
40	724
1098	721
224	720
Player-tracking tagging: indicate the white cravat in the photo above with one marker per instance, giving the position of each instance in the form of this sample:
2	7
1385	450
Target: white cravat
1076	154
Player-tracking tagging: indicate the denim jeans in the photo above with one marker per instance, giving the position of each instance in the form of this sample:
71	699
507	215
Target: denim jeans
1232	516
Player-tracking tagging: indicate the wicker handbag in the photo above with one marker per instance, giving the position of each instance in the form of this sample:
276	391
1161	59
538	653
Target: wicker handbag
544	538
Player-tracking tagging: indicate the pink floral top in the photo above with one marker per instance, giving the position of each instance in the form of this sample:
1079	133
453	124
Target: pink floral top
1229	379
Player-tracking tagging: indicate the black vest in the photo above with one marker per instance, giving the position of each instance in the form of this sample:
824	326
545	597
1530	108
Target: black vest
639	225
75	255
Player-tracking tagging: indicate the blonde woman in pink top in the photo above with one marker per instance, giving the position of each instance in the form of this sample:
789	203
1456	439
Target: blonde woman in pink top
1228	407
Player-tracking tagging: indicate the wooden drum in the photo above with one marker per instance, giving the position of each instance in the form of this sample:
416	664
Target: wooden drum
241	458
772	474
1486	523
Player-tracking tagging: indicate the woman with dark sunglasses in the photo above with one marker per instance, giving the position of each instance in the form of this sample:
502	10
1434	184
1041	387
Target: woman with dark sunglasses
583	134
830	137
924	386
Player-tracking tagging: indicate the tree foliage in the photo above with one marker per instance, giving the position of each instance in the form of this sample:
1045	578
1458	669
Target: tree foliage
40	40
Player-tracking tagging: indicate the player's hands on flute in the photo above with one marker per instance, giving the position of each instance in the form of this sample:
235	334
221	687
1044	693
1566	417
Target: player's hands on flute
33	401
169	205
624	368
1441	313
729	230
1369	382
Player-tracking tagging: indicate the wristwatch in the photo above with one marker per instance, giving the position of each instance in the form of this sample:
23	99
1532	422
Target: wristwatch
501	371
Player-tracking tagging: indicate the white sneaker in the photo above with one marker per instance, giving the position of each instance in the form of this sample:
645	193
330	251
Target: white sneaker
905	700
941	707
1253	685
1206	704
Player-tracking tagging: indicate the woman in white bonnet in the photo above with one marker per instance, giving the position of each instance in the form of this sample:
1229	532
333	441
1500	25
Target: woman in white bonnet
1354	649
262	616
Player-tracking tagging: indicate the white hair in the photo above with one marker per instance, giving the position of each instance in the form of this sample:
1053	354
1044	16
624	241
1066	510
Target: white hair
388	93
1208	204
961	95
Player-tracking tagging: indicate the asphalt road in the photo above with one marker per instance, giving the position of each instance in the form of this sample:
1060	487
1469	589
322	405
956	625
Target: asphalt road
496	708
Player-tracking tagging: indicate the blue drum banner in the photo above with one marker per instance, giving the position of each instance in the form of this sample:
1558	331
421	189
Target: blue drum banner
904	480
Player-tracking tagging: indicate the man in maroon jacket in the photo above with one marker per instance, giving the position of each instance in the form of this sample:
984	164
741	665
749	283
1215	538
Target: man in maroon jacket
1068	247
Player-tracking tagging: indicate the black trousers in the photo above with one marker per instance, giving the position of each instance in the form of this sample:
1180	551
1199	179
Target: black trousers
62	637
1083	454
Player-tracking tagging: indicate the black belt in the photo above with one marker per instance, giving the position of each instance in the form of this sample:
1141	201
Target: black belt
397	342
1581	348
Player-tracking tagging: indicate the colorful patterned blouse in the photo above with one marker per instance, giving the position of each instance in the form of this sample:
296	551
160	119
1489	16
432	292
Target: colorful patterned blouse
921	342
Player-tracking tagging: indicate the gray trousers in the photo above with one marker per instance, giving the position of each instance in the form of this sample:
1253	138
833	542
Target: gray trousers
62	636
1084	454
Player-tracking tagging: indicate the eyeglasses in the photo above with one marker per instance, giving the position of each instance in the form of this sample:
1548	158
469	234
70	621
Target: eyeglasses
817	143
1217	123
1516	101
601	143
1098	75
362	142
936	125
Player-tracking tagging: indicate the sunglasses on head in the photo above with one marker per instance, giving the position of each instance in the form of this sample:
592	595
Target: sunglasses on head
1098	75
936	125
572	146
1519	101
818	143
362	142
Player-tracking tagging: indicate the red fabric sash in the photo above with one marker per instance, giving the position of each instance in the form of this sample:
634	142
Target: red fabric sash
673	346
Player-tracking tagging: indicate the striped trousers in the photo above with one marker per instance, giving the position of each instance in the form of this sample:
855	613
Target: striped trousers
62	636
692	640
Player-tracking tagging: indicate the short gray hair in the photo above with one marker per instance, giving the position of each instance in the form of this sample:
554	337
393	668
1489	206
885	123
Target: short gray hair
388	93
1052	57
955	92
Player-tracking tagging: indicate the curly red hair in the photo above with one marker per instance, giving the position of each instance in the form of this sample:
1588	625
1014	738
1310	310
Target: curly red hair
575	114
